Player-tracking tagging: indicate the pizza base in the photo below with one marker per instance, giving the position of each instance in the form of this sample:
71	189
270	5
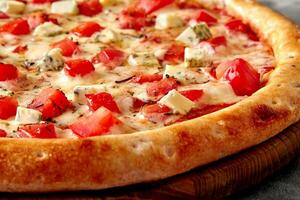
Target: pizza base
39	165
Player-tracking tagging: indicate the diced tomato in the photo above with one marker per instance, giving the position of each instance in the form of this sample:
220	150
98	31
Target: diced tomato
8	72
8	107
37	18
238	26
3	15
193	95
162	87
98	123
137	104
134	20
146	78
67	46
217	41
153	5
213	72
51	103
87	29
174	54
16	27
243	79
78	67
90	7
42	130
3	133
110	57
204	16
21	49
104	99
155	112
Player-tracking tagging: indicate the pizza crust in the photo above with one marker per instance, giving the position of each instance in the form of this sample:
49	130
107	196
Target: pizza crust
39	165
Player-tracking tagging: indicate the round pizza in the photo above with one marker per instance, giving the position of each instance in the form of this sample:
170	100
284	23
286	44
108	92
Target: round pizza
104	93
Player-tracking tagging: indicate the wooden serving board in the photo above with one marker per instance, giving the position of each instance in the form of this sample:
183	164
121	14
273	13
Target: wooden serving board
213	181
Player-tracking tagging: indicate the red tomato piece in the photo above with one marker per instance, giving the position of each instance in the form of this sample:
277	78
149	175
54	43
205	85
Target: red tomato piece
136	20
153	5
104	99
8	72
43	131
3	133
137	104
243	79
193	95
162	87
146	78
3	15
51	103
204	16
16	27
90	7
175	54
37	18
87	29
98	123
21	49
110	57
8	107
79	67
156	112
238	26
67	46
217	41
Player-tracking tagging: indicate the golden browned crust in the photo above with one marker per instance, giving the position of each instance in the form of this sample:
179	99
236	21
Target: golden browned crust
34	165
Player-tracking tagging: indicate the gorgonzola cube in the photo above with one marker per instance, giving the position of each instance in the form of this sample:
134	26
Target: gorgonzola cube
177	102
194	34
143	59
52	61
106	36
47	29
168	20
12	7
27	116
66	7
197	57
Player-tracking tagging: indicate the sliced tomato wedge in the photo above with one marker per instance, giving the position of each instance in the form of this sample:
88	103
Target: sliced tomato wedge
217	41
155	112
90	7
104	99
78	67
87	29
193	95
16	27
67	46
51	103
3	15
243	79
204	16
153	5
96	124
42	131
137	104
144	78
174	54
162	87
110	57
8	72
3	133
238	26
8	107
21	49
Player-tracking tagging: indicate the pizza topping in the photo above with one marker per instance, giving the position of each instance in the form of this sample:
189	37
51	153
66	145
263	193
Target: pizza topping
16	27
3	15
52	61
174	54
162	87
194	34
51	103
144	78
3	133
197	57
239	26
98	123
8	107
87	29
79	67
8	72
106	36
28	116
193	95
90	7
65	7
168	20
42	130
110	57
203	16
12	7
143	59
21	49
67	46
104	99
217	41
47	29
151	6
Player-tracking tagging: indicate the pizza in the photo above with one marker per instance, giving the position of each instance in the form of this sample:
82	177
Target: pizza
103	93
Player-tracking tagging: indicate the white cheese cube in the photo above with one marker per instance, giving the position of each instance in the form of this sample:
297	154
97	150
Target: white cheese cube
168	20
81	90
52	61
12	7
176	101
175	71
5	92
106	36
194	34
107	3
28	116
143	59
47	29
197	57
66	7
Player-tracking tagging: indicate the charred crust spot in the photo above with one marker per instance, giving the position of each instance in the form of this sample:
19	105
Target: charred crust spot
86	145
185	142
264	114
105	147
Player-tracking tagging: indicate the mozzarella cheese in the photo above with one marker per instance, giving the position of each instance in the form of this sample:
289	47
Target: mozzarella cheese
168	20
107	3
52	61
81	90
106	36
27	116
179	103
47	29
197	57
66	7
12	7
194	34
143	59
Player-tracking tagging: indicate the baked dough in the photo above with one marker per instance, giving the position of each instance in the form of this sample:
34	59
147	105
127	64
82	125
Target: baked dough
41	165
